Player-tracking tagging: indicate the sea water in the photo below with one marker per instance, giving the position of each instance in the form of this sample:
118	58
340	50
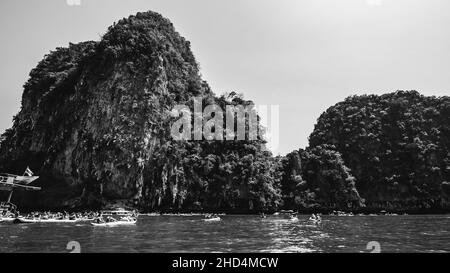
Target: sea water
236	233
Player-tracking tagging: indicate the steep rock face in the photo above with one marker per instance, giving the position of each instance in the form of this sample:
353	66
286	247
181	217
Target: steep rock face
397	146
93	113
95	125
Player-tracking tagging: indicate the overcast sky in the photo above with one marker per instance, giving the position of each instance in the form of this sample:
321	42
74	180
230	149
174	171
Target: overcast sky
303	55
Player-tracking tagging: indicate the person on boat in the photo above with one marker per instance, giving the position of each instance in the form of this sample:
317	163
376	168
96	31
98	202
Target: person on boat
99	220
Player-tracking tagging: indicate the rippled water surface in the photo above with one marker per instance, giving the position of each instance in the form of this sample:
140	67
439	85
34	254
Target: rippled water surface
409	233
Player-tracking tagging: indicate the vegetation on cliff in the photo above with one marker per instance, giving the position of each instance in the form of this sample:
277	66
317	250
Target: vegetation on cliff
317	179
397	146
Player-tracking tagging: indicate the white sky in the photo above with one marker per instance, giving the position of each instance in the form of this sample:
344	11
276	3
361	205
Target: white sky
303	55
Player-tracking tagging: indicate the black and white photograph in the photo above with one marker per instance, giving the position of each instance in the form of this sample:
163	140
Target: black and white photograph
234	127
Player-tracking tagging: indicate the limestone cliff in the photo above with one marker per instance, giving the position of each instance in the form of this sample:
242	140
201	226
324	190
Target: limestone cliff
93	113
95	125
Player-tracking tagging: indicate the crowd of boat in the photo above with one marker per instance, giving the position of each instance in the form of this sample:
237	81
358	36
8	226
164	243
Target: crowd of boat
123	217
291	216
103	218
109	218
383	212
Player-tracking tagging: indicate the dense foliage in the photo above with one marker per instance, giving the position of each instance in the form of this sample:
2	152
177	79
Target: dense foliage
211	174
317	179
397	146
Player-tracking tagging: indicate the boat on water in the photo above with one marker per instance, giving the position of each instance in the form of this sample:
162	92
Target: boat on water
115	223
214	219
8	182
116	217
17	179
11	182
315	221
289	215
286	212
